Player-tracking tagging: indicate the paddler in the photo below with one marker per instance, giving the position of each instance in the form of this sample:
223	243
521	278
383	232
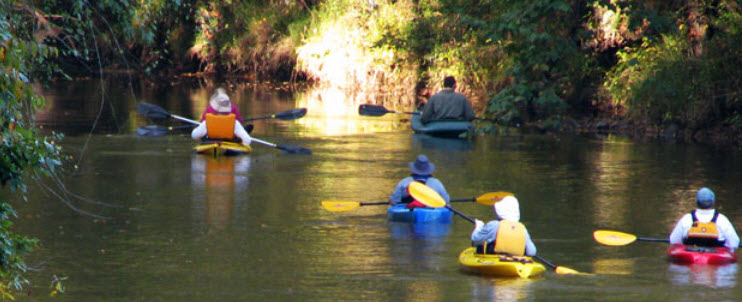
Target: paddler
505	236
705	226
447	105
422	171
218	103
222	122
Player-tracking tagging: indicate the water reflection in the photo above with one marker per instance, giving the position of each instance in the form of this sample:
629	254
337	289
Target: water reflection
705	275
427	142
332	111
218	184
419	231
417	244
502	289
614	266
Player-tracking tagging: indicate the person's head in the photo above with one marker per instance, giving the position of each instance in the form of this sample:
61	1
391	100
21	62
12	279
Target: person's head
422	166
449	82
220	101
705	198
508	209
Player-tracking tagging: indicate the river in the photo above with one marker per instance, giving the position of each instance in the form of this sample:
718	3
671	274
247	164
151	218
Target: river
163	224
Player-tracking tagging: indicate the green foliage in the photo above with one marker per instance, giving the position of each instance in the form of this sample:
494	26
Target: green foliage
544	60
662	82
23	151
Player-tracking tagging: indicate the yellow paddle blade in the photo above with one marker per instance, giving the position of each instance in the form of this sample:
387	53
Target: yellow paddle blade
426	195
340	206
613	238
491	198
561	270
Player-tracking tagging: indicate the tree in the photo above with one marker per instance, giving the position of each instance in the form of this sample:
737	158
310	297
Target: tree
24	152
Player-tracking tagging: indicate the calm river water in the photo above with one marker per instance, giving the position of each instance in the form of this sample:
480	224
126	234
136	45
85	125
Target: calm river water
175	226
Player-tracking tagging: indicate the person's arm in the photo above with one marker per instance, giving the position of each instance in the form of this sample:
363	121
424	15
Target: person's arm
240	132
487	233
399	191
428	110
680	230
727	230
199	132
530	246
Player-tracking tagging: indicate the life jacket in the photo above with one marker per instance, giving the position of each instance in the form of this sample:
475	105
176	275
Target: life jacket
220	126
410	201
510	240
703	233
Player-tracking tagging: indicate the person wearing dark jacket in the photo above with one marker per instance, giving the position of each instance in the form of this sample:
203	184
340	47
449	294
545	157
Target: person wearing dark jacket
447	104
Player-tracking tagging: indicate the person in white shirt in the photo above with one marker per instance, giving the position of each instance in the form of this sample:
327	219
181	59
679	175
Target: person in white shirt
705	226
223	124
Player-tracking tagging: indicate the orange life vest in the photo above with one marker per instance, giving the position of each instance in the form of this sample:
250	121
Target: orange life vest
220	126
703	233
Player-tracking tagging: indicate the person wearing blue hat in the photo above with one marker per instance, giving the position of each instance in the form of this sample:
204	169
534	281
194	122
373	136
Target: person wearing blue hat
422	171
705	226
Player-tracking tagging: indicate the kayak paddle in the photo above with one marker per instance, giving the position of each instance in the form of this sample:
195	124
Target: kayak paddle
488	199
426	191
156	112
614	238
284	116
156	130
376	110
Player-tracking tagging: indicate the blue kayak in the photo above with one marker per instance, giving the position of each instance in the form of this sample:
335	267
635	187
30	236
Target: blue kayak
440	128
400	213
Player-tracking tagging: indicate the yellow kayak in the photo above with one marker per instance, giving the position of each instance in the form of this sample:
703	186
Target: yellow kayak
220	148
500	265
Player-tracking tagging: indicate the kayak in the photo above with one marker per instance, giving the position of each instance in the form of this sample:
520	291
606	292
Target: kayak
219	148
690	254
440	128
500	265
400	213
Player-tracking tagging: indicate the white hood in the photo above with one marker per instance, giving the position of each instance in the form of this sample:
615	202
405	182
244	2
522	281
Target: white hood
508	209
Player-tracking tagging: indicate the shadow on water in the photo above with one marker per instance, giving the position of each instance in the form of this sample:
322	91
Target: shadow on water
427	142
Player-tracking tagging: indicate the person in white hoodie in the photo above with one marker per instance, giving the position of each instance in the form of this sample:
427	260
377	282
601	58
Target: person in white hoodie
705	226
505	236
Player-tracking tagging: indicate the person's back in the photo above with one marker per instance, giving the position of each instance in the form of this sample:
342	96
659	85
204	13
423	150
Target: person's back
422	171
506	236
447	104
222	125
705	226
219	103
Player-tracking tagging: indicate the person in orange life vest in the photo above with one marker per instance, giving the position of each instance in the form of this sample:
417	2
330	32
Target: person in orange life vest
447	104
422	171
218	103
222	125
507	236
705	226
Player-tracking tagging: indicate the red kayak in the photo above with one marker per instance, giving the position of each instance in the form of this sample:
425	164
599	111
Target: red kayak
689	254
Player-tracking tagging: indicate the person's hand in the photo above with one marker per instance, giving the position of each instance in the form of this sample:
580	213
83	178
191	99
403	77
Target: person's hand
478	224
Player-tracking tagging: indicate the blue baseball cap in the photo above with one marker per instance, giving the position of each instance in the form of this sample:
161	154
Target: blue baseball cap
705	198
